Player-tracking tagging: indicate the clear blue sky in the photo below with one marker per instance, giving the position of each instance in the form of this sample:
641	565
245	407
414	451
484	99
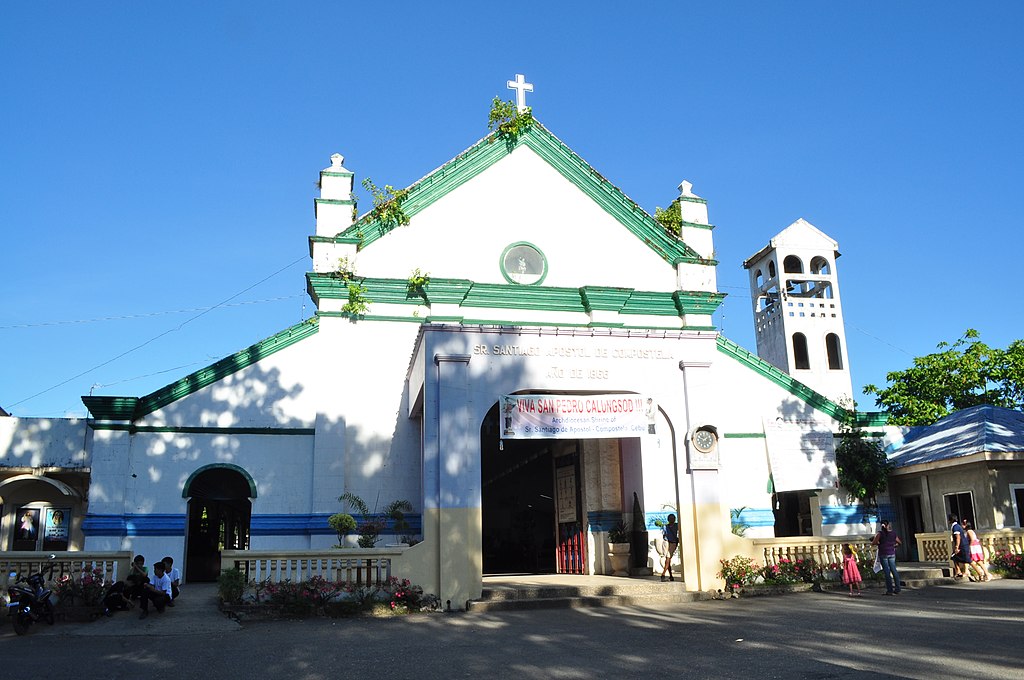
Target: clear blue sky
157	160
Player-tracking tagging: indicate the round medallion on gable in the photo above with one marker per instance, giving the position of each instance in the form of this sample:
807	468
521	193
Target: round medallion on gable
523	263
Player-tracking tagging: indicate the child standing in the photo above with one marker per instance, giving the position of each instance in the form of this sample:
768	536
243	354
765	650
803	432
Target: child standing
851	572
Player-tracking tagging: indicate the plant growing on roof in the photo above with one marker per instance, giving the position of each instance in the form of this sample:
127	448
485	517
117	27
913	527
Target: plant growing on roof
671	218
417	282
387	205
508	120
357	303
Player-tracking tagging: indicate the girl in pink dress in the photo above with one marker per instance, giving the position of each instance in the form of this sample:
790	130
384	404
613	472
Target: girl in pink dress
851	573
977	554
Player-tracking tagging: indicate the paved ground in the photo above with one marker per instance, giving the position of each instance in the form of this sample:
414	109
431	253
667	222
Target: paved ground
966	630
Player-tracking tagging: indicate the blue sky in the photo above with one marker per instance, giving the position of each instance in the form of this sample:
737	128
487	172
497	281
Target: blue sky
158	161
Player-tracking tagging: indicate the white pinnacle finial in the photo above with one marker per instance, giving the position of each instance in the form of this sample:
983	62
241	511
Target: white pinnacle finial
686	189
521	87
336	160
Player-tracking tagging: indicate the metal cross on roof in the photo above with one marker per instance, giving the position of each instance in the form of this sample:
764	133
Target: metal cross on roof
521	87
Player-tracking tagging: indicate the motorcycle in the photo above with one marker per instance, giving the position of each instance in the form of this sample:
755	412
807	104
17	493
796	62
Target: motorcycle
30	602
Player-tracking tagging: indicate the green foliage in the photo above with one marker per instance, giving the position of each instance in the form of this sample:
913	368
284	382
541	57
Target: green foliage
355	502
387	205
84	589
862	465
357	303
790	571
738	571
960	375
619	533
231	585
739	527
372	525
1008	564
417	282
343	525
508	120
671	218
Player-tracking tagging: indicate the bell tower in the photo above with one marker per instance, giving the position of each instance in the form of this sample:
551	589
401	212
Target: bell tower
798	312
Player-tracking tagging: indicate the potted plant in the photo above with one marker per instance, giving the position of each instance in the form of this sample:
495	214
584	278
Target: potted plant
618	549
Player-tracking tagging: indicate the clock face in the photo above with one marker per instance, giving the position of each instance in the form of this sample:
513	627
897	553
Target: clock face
704	440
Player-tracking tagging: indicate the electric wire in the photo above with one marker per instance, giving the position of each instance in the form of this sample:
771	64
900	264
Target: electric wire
157	337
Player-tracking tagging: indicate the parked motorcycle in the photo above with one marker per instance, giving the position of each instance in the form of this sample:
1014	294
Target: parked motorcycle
30	602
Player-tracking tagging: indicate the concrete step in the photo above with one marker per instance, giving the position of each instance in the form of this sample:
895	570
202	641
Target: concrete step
605	593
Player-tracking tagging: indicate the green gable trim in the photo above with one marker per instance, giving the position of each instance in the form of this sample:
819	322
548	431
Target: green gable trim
604	193
333	201
692	199
783	380
492	149
744	435
333	173
798	389
204	377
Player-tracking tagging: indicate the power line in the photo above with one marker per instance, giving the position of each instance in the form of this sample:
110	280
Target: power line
144	315
157	337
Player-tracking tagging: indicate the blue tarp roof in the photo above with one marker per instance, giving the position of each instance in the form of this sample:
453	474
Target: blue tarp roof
973	430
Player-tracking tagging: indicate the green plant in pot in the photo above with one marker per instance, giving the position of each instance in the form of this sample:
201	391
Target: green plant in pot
619	533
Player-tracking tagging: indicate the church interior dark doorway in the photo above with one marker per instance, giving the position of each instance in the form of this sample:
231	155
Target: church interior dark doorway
518	508
219	511
531	504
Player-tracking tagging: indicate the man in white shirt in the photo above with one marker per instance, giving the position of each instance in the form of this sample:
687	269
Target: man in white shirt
157	591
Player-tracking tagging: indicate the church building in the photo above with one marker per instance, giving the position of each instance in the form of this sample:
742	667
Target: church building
530	361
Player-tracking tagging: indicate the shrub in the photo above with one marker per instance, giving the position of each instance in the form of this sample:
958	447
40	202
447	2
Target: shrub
1007	564
231	585
85	590
343	525
739	571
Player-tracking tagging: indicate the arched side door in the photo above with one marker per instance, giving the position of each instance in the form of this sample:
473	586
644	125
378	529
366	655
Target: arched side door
219	512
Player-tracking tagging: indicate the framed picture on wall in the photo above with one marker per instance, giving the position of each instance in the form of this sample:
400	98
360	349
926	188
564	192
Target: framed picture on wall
55	528
26	529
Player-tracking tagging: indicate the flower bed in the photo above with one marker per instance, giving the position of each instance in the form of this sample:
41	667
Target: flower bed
320	597
1008	564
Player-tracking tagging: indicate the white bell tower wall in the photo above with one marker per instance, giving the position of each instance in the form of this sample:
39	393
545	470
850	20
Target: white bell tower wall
797	308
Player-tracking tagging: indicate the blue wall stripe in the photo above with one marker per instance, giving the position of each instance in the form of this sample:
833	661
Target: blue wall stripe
603	520
854	514
755	517
259	525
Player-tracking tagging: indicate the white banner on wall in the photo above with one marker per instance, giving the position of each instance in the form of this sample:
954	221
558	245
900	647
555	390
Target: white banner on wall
576	416
802	456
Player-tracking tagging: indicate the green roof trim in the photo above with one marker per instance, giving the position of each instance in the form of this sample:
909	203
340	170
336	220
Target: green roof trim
111	408
492	149
798	389
327	286
116	408
696	225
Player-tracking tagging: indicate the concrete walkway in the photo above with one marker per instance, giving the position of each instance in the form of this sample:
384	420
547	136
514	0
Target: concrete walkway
194	612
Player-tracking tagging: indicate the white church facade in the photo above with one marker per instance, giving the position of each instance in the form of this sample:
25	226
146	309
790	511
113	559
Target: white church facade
530	361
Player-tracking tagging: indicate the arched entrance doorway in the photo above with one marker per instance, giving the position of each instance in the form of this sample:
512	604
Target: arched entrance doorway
219	509
533	518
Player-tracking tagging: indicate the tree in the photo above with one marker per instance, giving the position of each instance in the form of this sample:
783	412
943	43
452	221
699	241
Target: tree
960	375
862	465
